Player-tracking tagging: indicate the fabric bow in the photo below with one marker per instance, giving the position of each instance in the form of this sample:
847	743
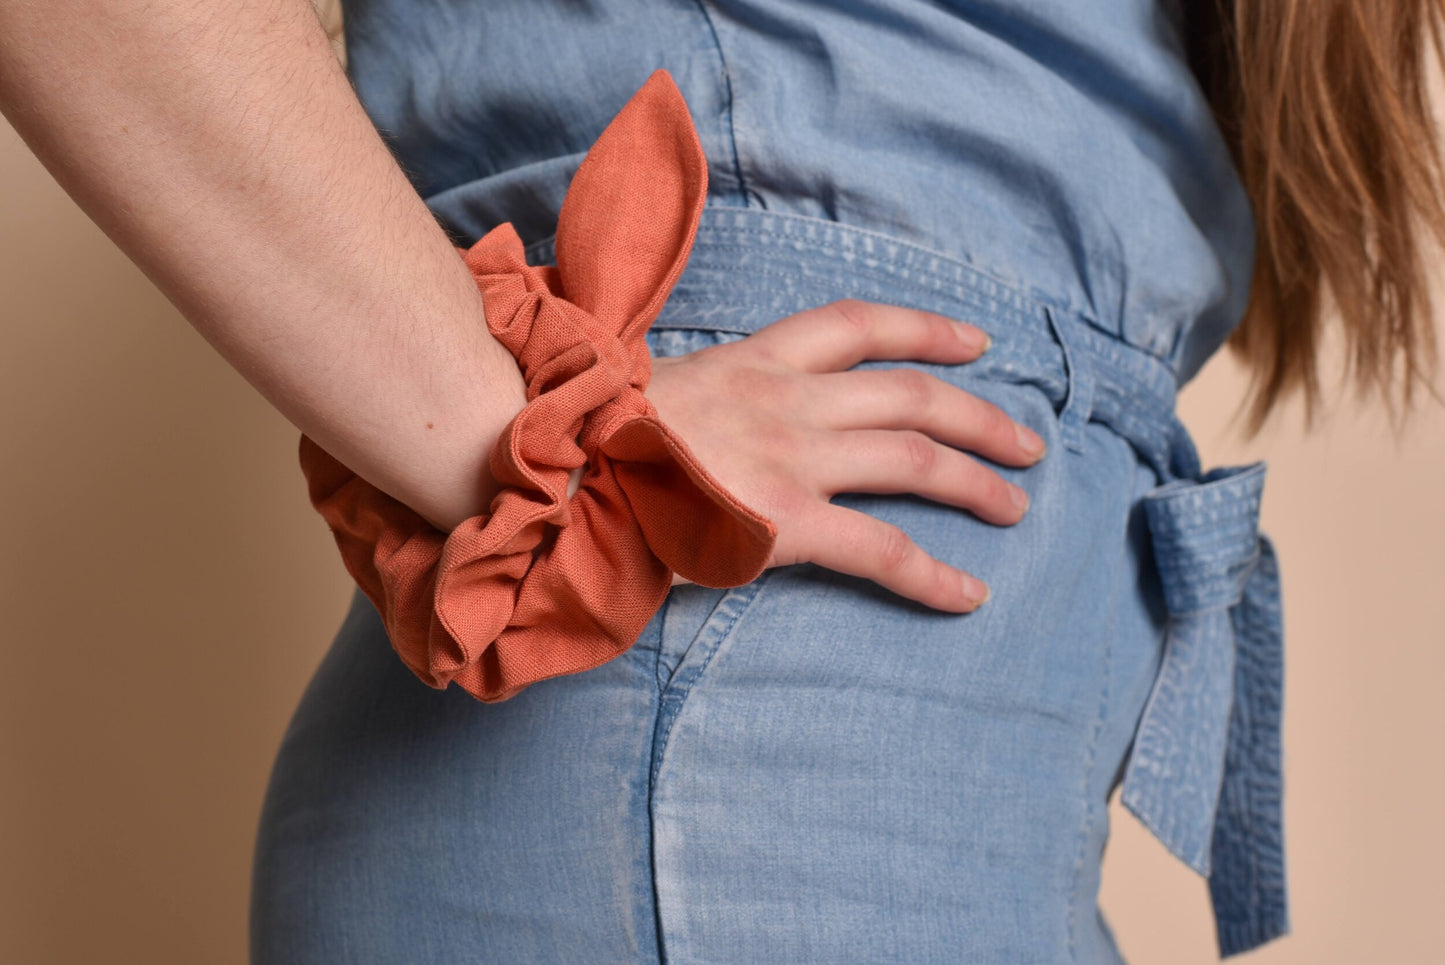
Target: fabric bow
1204	774
541	585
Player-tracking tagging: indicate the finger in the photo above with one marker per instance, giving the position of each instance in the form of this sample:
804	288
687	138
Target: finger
841	334
860	545
905	398
904	461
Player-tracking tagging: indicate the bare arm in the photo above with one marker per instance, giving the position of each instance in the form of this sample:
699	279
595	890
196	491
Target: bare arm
222	148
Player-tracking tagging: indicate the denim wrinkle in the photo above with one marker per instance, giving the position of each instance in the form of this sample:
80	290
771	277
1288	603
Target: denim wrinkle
1174	686
810	768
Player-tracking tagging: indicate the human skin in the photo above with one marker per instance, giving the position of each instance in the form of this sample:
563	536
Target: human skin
222	148
824	430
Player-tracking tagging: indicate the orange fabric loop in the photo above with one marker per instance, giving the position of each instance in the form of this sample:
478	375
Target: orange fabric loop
543	585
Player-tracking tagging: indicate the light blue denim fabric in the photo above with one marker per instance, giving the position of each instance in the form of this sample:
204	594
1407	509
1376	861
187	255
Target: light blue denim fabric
810	768
1061	145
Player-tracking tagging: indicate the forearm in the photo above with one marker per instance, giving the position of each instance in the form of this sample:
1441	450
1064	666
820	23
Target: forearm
222	149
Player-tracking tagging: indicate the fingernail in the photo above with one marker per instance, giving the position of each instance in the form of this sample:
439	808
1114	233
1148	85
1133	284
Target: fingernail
1029	440
974	338
1019	497
976	590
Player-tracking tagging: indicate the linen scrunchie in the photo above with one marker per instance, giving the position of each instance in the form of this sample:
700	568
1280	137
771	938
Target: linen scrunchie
542	585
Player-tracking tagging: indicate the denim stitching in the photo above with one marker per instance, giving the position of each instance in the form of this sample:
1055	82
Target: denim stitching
668	713
1090	755
1123	392
1078	405
899	261
661	639
963	276
727	100
651	836
685	678
960	293
805	234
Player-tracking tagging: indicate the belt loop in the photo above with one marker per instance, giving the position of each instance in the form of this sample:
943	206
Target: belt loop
1079	402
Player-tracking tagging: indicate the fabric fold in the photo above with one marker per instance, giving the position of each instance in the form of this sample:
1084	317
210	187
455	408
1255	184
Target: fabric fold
1205	771
543	585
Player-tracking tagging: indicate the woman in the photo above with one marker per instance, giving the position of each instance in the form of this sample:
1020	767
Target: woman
836	761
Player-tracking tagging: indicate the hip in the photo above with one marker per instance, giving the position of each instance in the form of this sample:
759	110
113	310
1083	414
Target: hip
804	768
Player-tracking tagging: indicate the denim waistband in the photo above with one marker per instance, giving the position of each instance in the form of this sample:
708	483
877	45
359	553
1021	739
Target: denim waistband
749	268
1204	771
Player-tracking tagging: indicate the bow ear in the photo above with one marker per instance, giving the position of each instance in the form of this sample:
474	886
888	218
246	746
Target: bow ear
628	220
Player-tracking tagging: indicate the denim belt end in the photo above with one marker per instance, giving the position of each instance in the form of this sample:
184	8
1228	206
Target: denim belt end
1204	774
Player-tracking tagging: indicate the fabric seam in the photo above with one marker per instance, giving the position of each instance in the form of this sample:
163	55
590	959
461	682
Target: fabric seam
1090	757
1008	293
685	686
660	736
727	80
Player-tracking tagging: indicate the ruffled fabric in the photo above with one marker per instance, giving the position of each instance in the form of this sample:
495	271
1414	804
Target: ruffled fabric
542	585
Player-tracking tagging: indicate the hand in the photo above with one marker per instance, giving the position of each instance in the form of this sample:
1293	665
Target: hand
780	423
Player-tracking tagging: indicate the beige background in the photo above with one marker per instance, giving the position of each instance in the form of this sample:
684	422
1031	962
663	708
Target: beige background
168	590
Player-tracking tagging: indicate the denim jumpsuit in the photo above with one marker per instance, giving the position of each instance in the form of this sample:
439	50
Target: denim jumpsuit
810	768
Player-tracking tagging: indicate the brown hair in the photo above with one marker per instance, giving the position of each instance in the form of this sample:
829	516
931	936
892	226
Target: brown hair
1324	106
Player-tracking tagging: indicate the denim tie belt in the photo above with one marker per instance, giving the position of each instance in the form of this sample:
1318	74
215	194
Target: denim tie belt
1204	770
1204	773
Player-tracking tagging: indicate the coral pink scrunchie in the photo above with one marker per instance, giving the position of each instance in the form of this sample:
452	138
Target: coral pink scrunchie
543	586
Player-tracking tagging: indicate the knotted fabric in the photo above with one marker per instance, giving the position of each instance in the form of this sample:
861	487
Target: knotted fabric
1205	773
541	585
